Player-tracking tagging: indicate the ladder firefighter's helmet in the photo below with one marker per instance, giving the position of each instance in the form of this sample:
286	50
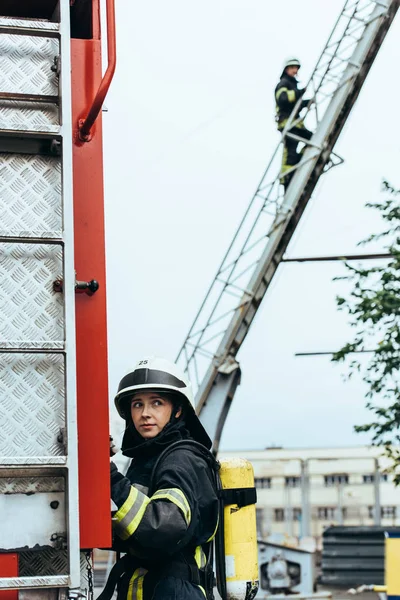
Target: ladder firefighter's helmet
154	374
291	62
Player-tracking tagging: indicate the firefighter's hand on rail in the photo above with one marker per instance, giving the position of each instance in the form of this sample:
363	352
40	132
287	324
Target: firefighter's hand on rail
113	448
115	475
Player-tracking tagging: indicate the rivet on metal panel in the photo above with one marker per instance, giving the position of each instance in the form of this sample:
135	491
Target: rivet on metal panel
56	66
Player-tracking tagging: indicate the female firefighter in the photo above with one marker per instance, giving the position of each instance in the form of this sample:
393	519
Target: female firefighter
168	508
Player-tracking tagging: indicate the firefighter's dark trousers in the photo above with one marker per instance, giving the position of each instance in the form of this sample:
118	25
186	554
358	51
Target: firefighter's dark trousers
290	156
177	589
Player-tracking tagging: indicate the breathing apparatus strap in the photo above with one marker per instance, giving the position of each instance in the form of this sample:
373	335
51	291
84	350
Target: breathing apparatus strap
115	575
240	496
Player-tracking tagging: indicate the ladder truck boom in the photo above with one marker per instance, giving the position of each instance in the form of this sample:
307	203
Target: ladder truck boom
243	278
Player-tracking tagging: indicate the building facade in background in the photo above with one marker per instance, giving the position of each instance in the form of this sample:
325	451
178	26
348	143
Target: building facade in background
302	491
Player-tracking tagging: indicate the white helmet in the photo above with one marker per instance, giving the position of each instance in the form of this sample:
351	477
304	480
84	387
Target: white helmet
158	374
291	62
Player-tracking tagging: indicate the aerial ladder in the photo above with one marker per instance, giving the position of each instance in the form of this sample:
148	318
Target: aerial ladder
209	352
54	457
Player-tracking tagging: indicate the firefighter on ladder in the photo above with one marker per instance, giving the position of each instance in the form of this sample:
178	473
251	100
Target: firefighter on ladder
287	94
167	508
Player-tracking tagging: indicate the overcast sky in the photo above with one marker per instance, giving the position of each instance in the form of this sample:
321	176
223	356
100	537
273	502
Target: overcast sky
189	130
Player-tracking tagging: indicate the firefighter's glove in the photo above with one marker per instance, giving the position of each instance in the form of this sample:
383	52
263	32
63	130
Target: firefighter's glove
301	91
115	475
113	448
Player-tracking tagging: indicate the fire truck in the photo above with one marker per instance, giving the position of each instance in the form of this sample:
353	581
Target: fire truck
53	339
54	495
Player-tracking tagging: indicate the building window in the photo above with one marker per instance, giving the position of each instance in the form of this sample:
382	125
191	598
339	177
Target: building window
336	479
330	513
326	513
292	482
296	514
263	482
370	477
279	515
388	512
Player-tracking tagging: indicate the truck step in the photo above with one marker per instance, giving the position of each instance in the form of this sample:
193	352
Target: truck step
33	461
14	583
29	31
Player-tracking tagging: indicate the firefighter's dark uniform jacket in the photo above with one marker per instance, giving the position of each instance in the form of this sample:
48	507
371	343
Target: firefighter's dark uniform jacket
286	95
164	531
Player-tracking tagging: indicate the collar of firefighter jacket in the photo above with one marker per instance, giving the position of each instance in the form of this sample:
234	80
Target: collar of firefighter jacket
292	80
134	446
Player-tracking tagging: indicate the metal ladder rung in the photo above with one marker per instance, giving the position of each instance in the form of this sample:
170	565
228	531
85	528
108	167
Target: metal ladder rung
29	31
14	583
14	239
34	98
33	461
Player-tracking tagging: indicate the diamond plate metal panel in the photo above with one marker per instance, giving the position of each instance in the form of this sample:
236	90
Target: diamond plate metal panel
49	561
31	485
31	23
31	312
86	563
19	116
25	65
30	195
43	563
32	408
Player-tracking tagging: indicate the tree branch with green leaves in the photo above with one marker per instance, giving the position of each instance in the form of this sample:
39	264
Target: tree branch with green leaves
373	307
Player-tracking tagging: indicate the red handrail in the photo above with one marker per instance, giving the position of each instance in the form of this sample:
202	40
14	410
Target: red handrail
85	125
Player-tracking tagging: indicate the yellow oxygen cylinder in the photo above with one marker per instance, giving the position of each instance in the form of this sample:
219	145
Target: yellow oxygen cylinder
392	562
240	530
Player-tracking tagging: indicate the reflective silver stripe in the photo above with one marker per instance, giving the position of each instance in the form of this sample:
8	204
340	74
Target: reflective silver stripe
177	497
127	520
200	557
121	512
135	589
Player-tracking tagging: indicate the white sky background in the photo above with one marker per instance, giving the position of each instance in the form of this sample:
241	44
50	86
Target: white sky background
190	129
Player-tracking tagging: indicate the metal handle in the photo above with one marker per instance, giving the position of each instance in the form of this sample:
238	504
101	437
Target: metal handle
85	125
86	287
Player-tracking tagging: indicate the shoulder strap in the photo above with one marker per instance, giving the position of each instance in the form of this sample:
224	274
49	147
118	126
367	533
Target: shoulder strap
191	445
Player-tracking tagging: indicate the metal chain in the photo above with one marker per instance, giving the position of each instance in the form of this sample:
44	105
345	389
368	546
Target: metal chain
89	569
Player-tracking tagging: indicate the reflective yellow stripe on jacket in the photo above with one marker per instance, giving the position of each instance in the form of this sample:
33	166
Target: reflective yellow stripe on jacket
128	517
212	536
200	557
291	94
135	589
177	497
